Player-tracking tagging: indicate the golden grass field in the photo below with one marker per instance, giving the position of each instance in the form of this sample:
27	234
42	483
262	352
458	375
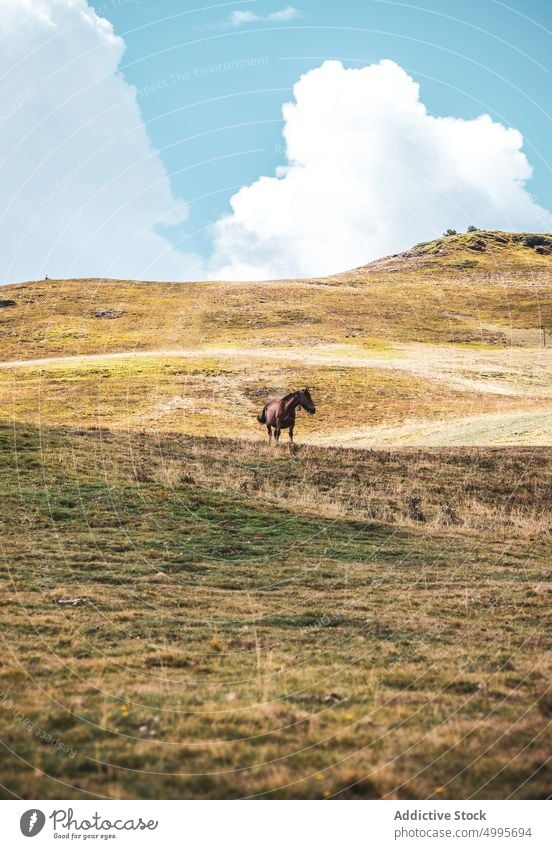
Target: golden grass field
190	613
439	346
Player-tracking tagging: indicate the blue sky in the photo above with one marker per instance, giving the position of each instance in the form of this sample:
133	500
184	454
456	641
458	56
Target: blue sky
210	82
470	57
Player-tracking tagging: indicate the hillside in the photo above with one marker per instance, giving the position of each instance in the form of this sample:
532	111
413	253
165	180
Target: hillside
209	618
441	344
194	614
447	290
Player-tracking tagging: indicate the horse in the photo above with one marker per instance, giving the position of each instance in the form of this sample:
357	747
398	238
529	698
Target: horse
280	413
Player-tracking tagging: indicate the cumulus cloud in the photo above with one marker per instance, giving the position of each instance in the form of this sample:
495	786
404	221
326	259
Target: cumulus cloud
370	172
83	189
240	18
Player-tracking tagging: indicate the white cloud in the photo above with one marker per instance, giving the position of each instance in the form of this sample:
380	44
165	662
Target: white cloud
370	172
240	18
82	187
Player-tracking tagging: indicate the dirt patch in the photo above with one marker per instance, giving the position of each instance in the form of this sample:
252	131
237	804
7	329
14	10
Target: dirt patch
108	313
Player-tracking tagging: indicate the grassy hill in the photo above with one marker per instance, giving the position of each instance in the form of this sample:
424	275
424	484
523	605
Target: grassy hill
438	345
190	613
450	290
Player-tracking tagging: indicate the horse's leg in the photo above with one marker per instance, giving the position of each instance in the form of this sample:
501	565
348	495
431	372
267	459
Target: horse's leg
269	434
291	434
277	432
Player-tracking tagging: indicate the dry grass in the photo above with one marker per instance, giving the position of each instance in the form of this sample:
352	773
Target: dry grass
273	623
421	395
187	614
440	345
428	295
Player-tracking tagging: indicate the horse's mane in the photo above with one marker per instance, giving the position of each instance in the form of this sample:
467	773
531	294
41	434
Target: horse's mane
291	394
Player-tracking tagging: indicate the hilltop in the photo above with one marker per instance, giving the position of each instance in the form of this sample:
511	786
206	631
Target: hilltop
441	343
452	287
476	249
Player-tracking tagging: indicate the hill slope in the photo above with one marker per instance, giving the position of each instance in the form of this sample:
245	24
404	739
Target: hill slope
441	344
191	616
201	618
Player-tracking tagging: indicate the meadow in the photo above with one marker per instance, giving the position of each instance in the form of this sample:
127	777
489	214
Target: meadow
442	345
187	612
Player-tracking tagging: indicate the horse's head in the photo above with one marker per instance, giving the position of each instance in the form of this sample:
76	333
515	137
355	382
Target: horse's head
304	400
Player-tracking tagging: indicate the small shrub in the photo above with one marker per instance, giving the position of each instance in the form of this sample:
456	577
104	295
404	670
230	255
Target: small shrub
414	506
169	473
473	229
143	471
449	515
450	232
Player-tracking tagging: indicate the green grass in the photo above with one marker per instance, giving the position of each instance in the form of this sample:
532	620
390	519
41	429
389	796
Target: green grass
270	623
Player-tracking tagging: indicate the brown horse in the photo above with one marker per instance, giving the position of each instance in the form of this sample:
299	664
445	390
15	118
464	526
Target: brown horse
279	414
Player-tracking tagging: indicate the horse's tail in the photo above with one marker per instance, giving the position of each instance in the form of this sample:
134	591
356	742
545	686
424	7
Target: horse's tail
262	418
